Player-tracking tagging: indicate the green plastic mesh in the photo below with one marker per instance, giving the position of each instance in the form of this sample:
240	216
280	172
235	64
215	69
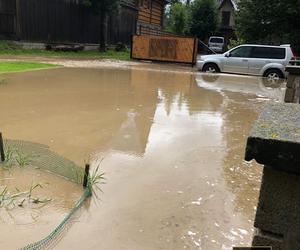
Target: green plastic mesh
41	157
48	241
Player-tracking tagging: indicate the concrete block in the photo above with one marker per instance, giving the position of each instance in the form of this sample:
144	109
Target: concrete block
289	95
278	209
291	81
261	239
275	138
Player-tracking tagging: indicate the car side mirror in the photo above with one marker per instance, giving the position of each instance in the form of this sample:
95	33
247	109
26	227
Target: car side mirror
227	55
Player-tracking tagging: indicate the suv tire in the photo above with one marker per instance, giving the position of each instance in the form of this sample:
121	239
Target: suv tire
211	68
273	75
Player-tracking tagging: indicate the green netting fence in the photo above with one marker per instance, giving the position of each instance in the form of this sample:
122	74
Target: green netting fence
40	156
48	240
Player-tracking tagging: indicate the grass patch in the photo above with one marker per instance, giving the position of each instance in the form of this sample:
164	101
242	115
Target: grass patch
12	49
6	67
10	201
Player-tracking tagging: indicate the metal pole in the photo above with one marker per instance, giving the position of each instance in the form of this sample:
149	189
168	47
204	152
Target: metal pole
86	175
2	148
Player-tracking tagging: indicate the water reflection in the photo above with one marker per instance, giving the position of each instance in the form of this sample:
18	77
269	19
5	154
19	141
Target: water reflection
172	144
251	85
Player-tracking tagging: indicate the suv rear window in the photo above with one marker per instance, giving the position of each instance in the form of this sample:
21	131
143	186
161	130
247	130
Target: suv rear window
268	53
216	40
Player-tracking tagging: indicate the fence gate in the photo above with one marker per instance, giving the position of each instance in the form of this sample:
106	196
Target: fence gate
164	48
7	17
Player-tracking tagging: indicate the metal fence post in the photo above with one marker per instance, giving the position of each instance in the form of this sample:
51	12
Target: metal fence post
86	175
2	148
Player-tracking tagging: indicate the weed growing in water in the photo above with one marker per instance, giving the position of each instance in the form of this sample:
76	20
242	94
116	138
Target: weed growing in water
22	159
95	180
14	156
10	201
9	156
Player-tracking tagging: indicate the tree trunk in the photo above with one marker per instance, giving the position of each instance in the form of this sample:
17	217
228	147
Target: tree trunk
103	31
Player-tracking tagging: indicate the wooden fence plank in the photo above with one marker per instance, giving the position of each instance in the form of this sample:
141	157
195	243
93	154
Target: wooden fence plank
164	48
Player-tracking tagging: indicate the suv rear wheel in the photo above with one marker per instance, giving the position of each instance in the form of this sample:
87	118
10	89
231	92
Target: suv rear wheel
273	75
211	68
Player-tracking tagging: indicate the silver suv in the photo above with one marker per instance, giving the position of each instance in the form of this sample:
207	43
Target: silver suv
262	60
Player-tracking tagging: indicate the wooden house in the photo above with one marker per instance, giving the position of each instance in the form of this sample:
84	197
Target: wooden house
150	14
68	21
227	10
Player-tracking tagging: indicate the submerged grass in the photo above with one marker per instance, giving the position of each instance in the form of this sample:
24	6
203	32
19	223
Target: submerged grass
9	48
95	179
10	200
20	66
15	157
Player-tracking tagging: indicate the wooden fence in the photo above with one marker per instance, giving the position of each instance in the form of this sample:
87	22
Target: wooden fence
164	48
63	21
7	17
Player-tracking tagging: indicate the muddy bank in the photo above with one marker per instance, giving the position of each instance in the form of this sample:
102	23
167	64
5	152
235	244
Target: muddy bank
105	63
172	151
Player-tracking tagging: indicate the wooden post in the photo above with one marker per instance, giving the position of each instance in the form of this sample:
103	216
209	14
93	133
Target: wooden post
2	148
86	175
18	20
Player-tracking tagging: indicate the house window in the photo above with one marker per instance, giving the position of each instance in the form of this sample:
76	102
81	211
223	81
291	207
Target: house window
226	18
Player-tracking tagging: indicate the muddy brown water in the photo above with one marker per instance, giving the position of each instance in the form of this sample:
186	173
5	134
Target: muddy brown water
172	145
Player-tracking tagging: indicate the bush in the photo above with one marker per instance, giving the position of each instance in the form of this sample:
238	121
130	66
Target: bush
178	18
234	43
121	47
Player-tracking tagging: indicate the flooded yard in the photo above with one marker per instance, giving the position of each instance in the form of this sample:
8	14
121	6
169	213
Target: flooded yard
171	144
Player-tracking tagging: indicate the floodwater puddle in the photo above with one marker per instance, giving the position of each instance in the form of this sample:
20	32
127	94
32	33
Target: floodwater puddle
25	222
171	145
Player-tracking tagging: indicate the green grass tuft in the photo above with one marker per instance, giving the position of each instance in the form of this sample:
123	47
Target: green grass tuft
9	48
6	67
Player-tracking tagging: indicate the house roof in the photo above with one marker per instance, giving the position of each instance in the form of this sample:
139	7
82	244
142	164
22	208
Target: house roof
134	2
233	3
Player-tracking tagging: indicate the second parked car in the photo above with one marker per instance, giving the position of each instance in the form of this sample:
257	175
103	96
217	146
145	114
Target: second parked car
262	60
216	44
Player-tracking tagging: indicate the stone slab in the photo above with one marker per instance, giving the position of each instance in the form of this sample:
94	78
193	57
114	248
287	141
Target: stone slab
275	137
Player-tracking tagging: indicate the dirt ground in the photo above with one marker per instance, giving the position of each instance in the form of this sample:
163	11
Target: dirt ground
170	141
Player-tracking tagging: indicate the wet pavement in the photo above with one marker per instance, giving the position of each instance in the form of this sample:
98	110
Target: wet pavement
172	144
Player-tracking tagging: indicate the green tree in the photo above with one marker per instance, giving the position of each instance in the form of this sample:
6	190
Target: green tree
269	21
178	18
103	8
203	18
